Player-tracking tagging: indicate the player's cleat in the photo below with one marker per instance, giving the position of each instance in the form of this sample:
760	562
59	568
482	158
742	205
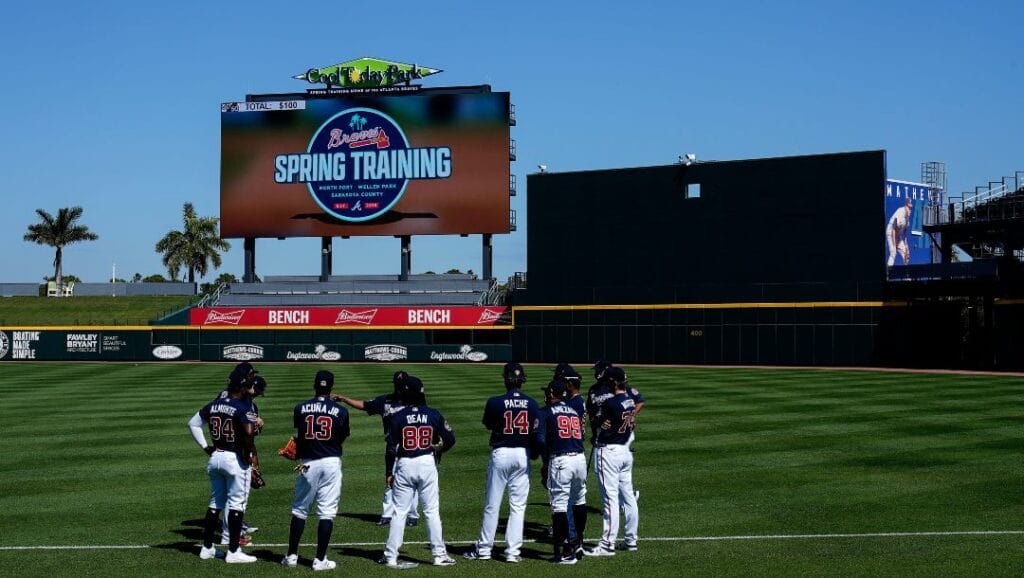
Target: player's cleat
564	560
636	495
384	521
444	560
207	553
513	559
290	560
397	564
627	546
247	529
243	540
578	550
599	551
412	522
239	557
474	555
324	564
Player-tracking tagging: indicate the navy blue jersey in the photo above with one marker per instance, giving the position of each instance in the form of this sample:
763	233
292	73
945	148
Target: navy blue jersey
416	428
615	420
579	404
512	419
385	407
560	430
252	411
227	419
601	392
321	427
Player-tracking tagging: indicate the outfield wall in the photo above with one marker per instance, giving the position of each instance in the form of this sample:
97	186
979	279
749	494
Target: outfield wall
185	343
945	334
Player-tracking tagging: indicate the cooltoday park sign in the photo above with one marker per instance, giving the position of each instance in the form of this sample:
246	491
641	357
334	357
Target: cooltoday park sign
366	73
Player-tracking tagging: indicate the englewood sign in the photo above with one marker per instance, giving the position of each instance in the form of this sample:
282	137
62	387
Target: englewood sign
353	317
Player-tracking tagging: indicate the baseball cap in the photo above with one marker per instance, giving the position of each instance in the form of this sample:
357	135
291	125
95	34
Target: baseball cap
514	372
556	388
324	379
615	374
565	371
411	384
259	385
241	372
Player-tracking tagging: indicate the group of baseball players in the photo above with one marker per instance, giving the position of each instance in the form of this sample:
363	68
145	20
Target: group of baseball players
416	436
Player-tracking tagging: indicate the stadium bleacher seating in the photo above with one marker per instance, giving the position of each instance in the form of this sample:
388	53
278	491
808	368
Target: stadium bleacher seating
449	289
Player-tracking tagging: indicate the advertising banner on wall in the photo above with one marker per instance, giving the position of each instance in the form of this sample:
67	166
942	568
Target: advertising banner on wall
87	344
364	164
905	240
353	317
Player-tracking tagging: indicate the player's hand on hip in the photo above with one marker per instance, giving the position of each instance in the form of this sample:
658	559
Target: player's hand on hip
389	480
209	450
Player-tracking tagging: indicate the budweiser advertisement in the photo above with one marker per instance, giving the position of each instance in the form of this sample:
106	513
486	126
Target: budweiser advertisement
352	317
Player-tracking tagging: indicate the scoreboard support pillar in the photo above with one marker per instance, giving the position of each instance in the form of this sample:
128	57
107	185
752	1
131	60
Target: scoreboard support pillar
488	256
326	258
249	273
406	257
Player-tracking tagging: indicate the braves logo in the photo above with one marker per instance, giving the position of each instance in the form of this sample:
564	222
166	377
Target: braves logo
360	317
489	316
226	317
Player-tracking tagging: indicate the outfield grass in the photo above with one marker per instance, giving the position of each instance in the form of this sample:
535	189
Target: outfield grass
732	465
57	311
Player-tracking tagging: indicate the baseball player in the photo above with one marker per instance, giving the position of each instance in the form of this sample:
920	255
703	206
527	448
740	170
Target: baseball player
512	420
601	391
255	386
566	374
321	427
228	467
613	465
385	406
560	439
420	434
896	230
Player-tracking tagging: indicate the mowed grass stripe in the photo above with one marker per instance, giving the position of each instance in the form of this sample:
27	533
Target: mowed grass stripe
100	454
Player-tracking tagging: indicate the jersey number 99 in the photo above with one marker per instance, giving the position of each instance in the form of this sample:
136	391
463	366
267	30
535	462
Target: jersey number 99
569	427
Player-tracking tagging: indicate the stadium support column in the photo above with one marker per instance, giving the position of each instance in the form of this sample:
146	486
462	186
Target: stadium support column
249	274
326	258
488	256
406	257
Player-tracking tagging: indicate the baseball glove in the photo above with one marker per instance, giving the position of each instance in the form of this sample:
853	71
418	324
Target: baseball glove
289	450
257	479
439	450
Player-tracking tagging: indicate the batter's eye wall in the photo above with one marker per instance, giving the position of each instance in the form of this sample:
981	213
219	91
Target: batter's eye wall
621	264
783	229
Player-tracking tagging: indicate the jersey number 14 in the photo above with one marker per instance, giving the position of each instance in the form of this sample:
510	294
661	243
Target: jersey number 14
516	422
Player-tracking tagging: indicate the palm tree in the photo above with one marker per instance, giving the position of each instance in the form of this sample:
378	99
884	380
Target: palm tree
59	232
195	247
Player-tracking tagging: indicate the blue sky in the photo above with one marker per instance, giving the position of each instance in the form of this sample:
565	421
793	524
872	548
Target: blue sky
114	106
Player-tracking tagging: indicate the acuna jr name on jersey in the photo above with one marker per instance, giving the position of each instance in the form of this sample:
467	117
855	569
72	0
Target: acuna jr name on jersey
415	163
319	407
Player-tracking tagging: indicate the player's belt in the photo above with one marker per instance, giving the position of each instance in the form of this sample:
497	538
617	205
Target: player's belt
567	454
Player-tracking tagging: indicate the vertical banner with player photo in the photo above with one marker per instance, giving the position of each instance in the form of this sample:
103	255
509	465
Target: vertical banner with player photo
905	240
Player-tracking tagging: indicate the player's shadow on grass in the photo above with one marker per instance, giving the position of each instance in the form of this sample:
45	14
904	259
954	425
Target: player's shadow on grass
361	517
372	554
191	529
